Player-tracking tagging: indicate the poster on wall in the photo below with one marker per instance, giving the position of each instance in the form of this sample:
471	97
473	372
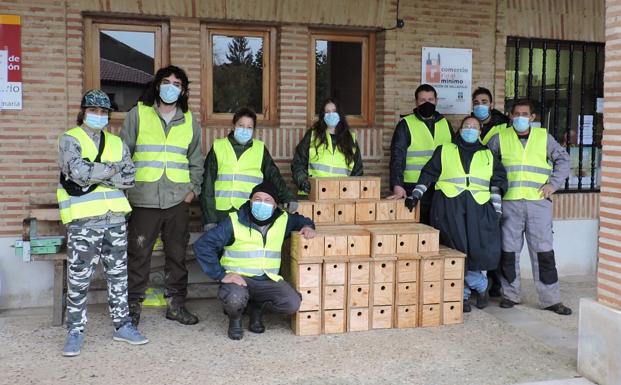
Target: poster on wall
10	63
449	71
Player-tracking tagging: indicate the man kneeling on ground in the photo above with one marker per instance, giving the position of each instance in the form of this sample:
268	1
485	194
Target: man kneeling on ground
243	253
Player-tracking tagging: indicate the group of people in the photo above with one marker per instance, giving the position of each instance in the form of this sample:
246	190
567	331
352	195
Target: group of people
488	197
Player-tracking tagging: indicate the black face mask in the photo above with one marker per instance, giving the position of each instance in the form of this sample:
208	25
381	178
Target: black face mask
426	109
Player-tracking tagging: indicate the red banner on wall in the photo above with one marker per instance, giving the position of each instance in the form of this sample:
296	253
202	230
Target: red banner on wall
10	62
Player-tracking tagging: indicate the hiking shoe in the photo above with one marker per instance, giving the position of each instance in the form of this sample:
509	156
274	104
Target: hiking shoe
467	307
128	333
256	318
559	308
134	312
235	332
482	300
506	303
181	315
73	343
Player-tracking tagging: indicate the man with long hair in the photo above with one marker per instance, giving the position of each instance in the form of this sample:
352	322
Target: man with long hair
164	140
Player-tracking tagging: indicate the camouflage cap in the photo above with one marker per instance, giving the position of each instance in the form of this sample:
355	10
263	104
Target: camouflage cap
96	98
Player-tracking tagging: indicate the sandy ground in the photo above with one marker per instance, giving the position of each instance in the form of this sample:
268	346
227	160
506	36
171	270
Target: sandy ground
484	350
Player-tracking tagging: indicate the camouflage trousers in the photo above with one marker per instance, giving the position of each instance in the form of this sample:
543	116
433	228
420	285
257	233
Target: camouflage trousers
85	247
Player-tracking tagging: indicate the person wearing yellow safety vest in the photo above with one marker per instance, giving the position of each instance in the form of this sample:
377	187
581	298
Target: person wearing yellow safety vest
95	168
165	142
466	207
243	253
483	109
415	138
234	165
536	167
327	149
491	121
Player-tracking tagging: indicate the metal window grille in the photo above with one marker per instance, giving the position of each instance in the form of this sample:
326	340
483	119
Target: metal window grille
565	80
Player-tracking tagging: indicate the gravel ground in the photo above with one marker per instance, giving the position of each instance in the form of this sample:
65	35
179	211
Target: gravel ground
483	350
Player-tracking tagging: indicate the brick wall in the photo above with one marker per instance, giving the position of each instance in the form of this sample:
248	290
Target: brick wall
53	60
609	268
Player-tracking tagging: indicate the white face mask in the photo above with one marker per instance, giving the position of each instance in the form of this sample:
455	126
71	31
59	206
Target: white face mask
96	122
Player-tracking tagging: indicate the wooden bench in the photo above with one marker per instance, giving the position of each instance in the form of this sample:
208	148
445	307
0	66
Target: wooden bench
59	260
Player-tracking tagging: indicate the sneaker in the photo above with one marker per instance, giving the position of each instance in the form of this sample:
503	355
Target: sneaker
467	307
506	303
559	308
181	314
128	333
73	343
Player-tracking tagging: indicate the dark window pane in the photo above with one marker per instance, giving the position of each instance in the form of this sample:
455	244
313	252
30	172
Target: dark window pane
338	74
126	65
237	73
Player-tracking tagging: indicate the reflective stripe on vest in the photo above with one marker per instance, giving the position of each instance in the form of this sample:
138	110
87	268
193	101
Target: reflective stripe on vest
453	180
249	255
527	167
422	145
325	161
493	131
156	152
101	200
236	177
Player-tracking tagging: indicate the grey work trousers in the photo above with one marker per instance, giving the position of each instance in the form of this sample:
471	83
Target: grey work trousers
532	219
282	298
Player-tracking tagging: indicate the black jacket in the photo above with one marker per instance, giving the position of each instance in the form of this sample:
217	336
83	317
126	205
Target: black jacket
209	247
496	118
268	168
399	147
299	166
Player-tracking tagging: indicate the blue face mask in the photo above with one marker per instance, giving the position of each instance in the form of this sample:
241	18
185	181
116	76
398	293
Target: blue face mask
521	123
169	93
331	118
469	135
95	121
481	111
242	134
262	210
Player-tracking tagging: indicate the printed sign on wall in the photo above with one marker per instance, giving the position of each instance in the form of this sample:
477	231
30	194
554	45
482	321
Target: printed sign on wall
449	71
10	63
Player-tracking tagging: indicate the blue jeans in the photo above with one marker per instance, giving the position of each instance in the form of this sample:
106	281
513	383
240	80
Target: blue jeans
474	280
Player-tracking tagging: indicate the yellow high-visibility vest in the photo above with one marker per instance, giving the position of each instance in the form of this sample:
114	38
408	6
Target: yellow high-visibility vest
325	161
236	177
527	167
422	145
102	199
156	152
493	131
249	256
454	180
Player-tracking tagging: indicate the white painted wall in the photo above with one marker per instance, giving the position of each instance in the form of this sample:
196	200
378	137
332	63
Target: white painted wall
30	284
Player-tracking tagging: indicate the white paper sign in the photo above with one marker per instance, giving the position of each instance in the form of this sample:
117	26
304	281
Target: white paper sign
599	106
587	130
449	71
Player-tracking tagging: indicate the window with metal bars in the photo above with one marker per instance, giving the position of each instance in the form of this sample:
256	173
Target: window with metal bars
565	80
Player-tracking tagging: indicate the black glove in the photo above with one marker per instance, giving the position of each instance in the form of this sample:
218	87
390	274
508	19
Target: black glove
305	186
411	202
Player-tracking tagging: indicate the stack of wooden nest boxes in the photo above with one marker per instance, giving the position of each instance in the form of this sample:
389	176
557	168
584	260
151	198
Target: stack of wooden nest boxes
371	264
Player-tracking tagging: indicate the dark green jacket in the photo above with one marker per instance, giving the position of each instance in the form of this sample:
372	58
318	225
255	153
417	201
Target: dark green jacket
299	166
268	168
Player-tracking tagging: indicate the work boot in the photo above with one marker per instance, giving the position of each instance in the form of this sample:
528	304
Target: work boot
255	312
506	303
180	314
134	312
467	307
235	332
482	300
559	308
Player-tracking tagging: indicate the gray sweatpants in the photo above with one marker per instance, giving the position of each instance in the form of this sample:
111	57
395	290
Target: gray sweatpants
532	219
85	247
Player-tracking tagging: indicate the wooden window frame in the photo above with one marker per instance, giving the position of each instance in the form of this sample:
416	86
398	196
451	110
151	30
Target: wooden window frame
367	97
269	114
92	28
